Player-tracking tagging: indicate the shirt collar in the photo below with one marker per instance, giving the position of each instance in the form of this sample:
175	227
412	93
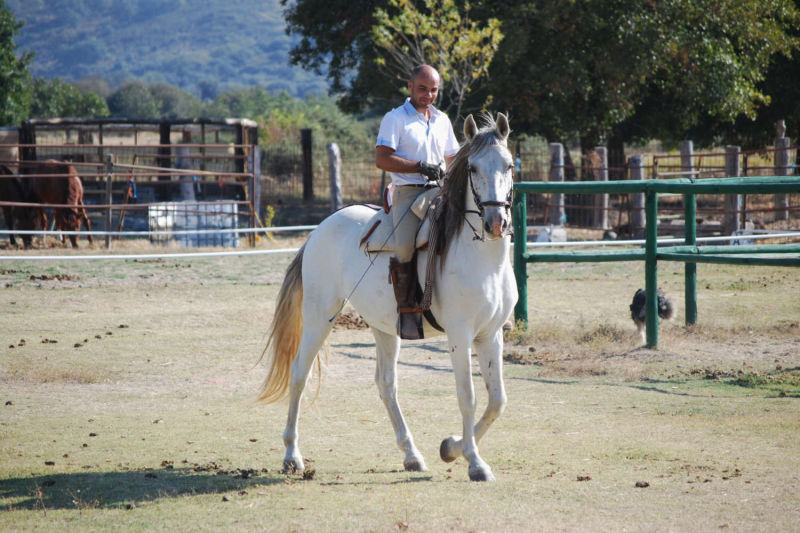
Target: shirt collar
411	110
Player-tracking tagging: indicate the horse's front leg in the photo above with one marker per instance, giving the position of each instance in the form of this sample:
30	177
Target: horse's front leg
460	356
388	348
490	357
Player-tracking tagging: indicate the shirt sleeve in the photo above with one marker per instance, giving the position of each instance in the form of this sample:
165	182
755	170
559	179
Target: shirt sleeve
451	146
389	132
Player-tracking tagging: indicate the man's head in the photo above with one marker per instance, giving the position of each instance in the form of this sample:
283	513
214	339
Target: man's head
424	87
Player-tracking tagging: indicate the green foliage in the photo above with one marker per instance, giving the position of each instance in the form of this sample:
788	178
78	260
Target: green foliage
173	102
441	34
57	98
281	116
15	90
133	100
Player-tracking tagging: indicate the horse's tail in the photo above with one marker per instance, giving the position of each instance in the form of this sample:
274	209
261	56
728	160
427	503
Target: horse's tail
285	332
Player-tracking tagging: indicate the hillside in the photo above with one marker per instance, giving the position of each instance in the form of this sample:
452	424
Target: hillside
204	46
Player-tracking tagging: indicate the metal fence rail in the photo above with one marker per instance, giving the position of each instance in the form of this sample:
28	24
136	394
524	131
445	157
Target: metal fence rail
690	253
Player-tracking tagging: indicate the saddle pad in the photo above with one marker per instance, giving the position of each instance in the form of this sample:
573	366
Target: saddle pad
377	236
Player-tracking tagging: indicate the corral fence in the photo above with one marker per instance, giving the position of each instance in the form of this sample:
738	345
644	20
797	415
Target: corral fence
689	252
140	175
624	213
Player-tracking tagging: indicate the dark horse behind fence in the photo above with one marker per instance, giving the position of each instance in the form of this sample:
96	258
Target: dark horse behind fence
16	217
56	182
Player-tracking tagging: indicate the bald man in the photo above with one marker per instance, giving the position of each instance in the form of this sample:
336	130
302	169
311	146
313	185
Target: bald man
415	143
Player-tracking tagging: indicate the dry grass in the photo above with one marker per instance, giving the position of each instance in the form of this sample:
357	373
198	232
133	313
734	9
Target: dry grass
154	426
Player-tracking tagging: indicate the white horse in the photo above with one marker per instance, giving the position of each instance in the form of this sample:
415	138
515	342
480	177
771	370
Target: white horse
474	294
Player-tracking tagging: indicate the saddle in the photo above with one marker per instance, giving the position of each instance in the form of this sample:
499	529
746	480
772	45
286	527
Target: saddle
377	235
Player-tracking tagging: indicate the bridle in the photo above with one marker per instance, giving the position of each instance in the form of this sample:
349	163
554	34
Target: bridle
483	204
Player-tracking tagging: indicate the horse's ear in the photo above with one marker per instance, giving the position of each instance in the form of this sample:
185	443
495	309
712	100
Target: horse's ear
470	128
502	126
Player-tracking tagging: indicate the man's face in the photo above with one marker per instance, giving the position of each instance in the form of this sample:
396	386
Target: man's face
424	89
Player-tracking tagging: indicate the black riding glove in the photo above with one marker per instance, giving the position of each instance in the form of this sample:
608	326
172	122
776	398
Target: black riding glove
432	172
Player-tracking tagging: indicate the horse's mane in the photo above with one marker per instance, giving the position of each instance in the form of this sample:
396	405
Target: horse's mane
450	217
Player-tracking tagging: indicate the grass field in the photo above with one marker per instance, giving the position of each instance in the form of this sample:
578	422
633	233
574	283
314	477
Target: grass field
127	402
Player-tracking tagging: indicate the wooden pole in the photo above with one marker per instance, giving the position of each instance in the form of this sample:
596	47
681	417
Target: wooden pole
308	178
109	168
733	202
636	199
689	235
557	215
601	200
335	176
782	168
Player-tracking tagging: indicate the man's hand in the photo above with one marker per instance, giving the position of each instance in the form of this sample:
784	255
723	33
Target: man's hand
430	171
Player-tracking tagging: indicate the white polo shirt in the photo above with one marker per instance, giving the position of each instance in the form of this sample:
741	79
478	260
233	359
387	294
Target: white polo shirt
406	131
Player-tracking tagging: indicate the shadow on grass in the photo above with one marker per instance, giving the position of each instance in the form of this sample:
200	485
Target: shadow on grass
109	490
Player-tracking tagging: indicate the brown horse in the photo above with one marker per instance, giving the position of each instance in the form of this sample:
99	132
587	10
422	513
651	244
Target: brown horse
56	182
16	217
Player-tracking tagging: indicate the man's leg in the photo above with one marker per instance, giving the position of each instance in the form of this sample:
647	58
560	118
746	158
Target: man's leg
401	267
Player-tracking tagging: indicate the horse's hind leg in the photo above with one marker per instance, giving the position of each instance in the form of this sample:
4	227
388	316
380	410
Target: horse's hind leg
490	354
388	349
315	330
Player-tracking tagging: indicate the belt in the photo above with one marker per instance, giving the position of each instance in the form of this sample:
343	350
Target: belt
418	185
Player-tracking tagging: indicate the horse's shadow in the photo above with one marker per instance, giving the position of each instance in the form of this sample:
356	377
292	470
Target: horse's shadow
108	490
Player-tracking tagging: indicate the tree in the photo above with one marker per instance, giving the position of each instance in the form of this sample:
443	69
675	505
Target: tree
442	35
173	102
57	98
636	69
15	88
133	100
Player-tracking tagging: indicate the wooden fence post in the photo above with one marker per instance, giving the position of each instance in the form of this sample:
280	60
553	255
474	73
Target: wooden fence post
308	176
601	200
689	235
733	202
109	171
635	163
556	217
782	168
335	176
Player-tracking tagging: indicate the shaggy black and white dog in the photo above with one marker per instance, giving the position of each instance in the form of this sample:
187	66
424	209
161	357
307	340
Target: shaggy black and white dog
638	309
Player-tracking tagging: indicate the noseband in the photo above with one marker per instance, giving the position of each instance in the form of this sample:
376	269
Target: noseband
483	204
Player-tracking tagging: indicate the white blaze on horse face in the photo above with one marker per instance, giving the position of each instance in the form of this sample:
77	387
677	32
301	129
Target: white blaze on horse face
492	181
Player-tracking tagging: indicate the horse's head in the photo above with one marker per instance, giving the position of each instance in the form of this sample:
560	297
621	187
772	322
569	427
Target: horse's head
489	167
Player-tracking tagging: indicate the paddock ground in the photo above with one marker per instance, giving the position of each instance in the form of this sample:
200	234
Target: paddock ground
127	402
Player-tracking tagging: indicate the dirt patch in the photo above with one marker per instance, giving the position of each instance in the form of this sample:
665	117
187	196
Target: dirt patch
350	320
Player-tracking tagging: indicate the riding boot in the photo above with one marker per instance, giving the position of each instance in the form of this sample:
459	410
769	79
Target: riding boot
404	280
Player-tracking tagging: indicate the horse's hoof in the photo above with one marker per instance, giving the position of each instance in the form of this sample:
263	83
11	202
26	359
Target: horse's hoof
449	450
292	466
415	465
481	474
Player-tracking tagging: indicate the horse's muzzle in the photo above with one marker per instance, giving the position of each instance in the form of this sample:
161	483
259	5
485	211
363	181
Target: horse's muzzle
495	223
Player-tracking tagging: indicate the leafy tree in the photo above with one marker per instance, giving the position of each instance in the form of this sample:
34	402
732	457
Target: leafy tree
133	100
441	35
631	69
174	102
15	90
57	98
335	37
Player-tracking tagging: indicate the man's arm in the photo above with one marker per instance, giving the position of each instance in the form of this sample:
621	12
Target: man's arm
386	159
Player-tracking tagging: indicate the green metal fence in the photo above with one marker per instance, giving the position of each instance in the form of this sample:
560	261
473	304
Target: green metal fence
689	253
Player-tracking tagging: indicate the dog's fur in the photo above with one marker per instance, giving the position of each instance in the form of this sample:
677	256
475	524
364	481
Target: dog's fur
639	309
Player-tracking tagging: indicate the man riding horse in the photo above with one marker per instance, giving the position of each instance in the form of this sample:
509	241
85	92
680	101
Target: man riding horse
415	143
